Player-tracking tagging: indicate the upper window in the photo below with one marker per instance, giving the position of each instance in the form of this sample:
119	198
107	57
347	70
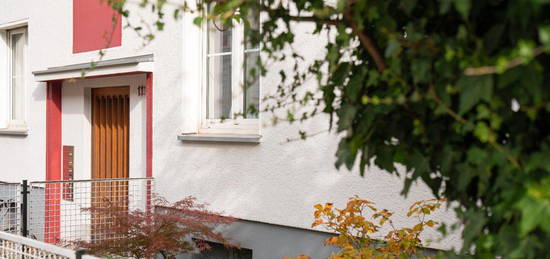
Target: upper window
17	44
231	83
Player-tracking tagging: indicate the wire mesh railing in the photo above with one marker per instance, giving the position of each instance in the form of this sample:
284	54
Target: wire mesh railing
68	212
10	207
65	212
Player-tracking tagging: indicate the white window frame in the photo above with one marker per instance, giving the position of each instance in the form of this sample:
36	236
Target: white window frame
8	125
230	125
13	123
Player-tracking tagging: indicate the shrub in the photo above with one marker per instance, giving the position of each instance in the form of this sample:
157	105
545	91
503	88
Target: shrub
168	230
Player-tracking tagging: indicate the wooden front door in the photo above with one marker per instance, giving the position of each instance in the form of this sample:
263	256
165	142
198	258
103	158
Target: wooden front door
110	132
110	155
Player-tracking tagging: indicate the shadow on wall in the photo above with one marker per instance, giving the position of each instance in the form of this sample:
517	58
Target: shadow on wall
279	183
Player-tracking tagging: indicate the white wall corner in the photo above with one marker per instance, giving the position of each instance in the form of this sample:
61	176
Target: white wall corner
4	77
191	75
14	24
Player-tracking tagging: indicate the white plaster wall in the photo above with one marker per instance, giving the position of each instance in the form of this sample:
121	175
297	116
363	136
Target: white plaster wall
24	157
272	182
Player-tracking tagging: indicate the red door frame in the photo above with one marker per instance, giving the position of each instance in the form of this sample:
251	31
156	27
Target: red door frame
52	224
149	135
52	221
149	125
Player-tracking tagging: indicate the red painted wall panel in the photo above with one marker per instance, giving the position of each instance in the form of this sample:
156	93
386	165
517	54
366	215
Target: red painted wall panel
93	26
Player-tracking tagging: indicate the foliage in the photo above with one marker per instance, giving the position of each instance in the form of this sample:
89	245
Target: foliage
454	90
170	229
358	237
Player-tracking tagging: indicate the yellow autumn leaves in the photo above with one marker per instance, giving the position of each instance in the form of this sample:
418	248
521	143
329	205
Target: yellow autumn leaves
357	227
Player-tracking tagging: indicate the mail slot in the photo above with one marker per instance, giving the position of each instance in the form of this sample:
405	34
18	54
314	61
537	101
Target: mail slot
68	172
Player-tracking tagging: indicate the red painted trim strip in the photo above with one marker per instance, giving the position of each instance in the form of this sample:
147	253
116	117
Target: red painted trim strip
149	126
149	135
52	224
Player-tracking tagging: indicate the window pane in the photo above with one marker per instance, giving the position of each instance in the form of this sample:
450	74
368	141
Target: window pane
252	84
219	87
17	75
219	68
219	38
254	27
251	70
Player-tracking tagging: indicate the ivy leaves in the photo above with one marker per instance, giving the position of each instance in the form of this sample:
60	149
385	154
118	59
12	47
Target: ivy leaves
462	98
473	90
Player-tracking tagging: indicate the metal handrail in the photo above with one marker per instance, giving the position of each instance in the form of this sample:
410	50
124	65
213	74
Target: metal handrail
53	250
92	180
8	183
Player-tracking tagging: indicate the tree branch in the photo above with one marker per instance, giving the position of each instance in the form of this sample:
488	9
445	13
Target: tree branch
313	19
368	44
316	20
365	39
487	70
460	119
447	109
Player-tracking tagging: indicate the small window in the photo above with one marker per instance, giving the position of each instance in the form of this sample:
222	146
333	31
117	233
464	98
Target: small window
231	82
17	44
219	251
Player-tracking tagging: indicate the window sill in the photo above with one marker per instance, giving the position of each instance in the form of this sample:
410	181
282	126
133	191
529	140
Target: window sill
14	131
235	138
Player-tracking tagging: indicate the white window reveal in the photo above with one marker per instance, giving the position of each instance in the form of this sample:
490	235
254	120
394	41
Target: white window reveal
18	46
13	117
231	82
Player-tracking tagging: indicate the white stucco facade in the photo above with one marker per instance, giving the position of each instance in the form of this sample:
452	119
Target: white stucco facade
271	182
